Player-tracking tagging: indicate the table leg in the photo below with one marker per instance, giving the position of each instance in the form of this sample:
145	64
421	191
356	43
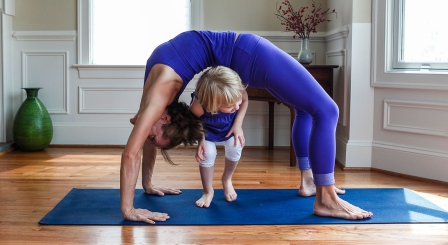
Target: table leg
292	154
271	126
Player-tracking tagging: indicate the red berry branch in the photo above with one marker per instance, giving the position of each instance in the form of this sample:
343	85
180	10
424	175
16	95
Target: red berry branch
300	22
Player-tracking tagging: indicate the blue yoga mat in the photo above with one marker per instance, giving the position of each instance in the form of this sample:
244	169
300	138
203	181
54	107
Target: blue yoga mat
253	207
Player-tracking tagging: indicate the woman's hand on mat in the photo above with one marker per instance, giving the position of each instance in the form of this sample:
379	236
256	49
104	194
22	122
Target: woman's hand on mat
161	191
144	215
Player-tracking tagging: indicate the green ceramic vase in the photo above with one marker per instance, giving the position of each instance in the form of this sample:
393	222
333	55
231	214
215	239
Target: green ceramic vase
32	128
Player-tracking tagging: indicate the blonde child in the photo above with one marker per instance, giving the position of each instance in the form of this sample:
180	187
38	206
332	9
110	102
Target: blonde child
220	102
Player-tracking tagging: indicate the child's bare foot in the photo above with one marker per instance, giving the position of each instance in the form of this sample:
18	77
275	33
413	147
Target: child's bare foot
229	191
328	204
205	200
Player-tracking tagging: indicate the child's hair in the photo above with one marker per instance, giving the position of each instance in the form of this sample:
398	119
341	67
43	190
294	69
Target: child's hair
185	128
219	85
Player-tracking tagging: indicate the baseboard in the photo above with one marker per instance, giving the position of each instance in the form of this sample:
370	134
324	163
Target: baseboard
6	147
344	168
85	146
406	176
6	151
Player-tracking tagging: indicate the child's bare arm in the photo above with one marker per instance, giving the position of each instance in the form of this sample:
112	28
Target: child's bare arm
237	128
196	108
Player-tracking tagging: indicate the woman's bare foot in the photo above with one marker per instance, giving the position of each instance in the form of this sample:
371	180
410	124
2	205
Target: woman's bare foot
205	200
307	186
229	191
328	204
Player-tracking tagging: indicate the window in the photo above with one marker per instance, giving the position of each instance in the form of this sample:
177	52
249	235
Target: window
117	32
420	35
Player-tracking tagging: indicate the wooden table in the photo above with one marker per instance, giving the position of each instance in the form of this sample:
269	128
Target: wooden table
324	76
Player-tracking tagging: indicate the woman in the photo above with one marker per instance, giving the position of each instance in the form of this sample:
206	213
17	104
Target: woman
260	64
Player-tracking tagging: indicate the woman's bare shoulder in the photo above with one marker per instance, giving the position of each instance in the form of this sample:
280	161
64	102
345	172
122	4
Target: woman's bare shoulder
164	75
163	81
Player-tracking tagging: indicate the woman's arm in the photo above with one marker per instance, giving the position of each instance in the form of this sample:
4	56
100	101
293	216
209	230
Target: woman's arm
160	89
149	160
196	108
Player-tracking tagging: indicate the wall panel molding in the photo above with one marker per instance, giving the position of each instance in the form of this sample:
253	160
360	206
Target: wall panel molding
411	117
49	70
410	149
44	35
108	100
110	71
340	33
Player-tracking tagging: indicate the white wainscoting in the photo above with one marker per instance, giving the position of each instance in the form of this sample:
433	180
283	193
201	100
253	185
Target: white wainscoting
92	104
414	161
412	117
91	133
112	100
110	71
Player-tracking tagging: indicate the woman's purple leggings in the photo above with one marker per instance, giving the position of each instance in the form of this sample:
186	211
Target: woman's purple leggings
261	64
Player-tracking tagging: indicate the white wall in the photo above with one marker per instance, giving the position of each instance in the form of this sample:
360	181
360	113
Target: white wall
253	15
353	92
88	110
93	106
45	15
410	113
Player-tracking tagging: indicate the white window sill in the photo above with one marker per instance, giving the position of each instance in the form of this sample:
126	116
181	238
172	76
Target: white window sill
110	71
421	72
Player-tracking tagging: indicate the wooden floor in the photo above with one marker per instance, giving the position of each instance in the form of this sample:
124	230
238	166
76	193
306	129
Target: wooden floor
31	184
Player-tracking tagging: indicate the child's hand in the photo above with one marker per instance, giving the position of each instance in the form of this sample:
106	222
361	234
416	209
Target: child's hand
238	135
200	152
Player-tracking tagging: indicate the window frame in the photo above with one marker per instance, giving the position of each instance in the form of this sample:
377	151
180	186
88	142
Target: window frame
84	30
383	75
397	44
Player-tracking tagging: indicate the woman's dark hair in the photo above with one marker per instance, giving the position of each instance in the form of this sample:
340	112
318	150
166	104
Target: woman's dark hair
185	128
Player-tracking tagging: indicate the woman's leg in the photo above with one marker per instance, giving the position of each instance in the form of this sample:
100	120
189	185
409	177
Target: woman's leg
206	169
292	83
301	131
233	155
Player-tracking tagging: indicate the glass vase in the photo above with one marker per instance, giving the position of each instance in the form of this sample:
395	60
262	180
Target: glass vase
305	56
32	127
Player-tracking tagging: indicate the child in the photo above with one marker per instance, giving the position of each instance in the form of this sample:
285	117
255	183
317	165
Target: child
220	102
